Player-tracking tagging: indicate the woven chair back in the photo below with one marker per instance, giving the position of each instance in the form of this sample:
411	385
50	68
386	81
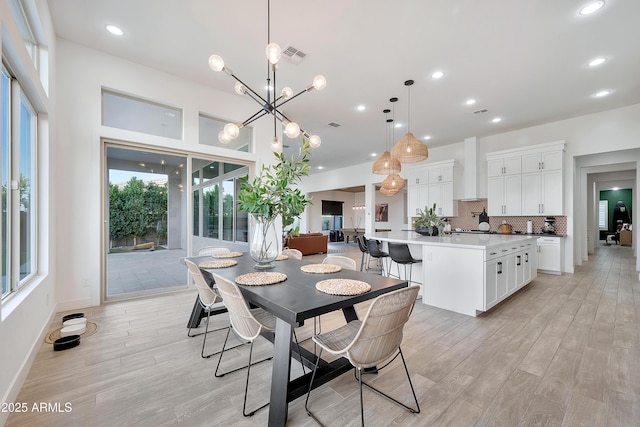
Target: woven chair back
207	296
292	253
342	261
210	250
242	320
380	334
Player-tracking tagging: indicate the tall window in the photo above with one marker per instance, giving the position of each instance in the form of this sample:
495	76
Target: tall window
19	191
4	166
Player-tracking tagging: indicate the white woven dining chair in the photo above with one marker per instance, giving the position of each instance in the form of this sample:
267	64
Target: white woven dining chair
343	261
372	341
247	323
209	299
292	253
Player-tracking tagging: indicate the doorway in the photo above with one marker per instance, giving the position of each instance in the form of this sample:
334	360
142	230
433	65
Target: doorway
145	221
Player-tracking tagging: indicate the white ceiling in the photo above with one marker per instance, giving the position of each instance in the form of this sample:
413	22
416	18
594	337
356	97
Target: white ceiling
525	62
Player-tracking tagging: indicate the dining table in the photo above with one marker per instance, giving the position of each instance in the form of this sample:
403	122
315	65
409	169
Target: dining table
292	302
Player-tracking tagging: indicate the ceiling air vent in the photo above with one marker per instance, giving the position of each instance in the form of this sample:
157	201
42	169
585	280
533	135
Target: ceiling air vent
335	125
294	55
480	111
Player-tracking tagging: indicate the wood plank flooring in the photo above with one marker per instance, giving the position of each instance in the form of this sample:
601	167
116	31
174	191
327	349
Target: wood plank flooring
563	351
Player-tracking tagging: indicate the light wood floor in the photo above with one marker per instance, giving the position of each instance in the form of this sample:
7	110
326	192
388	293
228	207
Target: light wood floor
563	351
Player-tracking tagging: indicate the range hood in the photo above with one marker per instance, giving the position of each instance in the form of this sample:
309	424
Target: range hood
470	170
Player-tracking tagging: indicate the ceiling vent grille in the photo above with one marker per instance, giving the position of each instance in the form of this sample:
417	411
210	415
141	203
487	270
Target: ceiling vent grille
480	111
335	125
294	55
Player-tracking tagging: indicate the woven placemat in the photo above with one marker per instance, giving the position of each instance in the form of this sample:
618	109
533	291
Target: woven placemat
343	287
320	268
282	257
261	278
92	328
227	255
218	263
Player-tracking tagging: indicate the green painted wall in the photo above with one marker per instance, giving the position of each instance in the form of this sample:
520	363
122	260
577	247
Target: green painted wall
613	196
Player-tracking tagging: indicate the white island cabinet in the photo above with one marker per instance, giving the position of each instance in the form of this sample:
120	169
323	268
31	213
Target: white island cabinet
470	273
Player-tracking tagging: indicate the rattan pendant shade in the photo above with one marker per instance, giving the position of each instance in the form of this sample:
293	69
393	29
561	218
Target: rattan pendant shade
386	164
389	191
394	181
409	150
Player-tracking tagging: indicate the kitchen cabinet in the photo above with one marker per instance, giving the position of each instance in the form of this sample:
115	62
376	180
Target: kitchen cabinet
542	193
550	250
539	191
507	269
504	195
542	161
509	165
417	198
432	184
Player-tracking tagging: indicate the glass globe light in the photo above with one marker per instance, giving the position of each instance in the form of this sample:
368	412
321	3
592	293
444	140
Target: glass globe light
273	53
216	63
239	88
315	141
287	92
292	130
319	82
232	130
275	144
223	137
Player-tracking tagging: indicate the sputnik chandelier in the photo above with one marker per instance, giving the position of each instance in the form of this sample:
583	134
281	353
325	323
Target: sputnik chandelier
268	105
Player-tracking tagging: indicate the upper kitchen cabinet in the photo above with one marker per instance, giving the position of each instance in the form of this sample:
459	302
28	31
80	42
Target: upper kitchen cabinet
429	184
540	176
504	165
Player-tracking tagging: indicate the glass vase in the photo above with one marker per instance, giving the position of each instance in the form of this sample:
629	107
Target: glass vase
264	246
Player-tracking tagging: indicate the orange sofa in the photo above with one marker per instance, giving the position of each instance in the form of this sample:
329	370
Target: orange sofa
311	243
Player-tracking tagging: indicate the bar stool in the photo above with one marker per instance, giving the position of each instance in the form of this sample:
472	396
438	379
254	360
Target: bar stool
376	252
362	245
400	254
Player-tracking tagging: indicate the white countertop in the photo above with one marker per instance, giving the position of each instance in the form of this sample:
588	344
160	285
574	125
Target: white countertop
472	241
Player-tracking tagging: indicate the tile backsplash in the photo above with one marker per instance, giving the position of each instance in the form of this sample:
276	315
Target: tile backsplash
467	221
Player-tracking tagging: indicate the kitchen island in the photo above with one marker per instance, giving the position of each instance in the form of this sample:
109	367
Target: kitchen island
469	273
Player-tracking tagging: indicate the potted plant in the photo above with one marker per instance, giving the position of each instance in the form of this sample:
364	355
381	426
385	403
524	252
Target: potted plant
270	194
428	223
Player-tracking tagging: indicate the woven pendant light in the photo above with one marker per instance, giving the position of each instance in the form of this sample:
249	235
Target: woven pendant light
389	192
394	181
386	164
409	149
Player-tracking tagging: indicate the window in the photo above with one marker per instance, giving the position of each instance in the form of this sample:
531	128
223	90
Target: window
19	190
215	208
129	113
603	215
208	131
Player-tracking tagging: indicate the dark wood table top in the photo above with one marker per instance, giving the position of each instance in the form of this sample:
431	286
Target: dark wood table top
296	299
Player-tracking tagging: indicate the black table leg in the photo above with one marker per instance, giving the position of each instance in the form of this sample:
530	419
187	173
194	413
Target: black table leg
196	315
350	314
281	371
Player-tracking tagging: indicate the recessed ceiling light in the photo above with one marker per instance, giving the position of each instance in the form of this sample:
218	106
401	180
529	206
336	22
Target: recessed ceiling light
437	75
596	61
591	7
602	93
398	125
116	31
496	120
470	101
427	137
374	154
320	167
361	108
615	188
